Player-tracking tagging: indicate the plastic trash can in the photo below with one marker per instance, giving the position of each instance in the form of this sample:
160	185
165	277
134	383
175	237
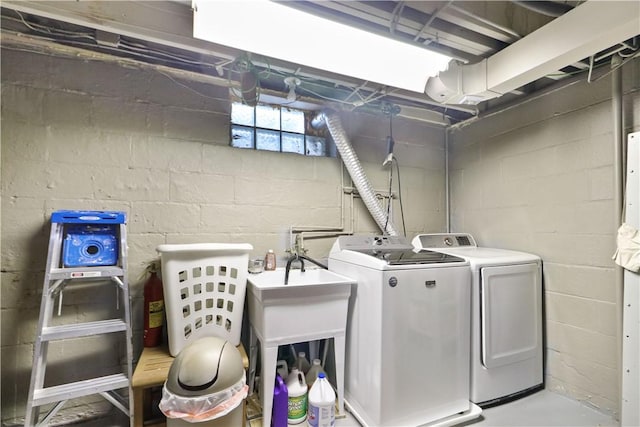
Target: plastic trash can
206	385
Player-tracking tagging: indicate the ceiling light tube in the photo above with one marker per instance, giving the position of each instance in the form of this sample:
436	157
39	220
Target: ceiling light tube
278	31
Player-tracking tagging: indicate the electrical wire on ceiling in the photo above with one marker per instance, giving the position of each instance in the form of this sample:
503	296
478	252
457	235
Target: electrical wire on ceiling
391	110
61	35
239	69
306	82
404	226
48	30
390	157
189	88
400	18
350	97
356	91
139	50
125	46
598	62
622	63
138	47
304	85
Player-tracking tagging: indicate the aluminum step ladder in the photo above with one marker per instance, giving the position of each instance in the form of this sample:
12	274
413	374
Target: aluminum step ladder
81	244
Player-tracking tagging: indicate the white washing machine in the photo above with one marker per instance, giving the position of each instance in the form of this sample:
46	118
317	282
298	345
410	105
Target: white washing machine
408	334
506	317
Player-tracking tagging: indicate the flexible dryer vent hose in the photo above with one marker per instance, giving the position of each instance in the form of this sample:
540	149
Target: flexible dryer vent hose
350	159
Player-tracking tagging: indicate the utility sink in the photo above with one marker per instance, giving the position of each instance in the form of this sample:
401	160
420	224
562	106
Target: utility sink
314	282
311	303
312	306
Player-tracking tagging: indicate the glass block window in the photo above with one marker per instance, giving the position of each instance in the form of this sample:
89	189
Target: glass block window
274	128
267	140
243	115
267	117
292	120
293	143
315	146
242	136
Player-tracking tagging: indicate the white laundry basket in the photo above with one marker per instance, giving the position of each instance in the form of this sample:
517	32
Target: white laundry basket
204	288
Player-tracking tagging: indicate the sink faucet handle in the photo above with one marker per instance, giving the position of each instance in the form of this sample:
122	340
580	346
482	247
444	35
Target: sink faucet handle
299	245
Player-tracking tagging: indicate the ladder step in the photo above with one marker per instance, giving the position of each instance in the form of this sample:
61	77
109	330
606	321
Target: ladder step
83	329
78	389
85	272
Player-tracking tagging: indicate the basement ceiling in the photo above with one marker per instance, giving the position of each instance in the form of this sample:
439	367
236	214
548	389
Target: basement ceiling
159	34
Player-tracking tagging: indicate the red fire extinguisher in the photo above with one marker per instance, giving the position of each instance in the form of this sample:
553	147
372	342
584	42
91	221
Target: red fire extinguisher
153	307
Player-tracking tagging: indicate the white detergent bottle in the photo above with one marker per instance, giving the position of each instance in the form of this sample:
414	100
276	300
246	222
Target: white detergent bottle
297	388
322	403
316	368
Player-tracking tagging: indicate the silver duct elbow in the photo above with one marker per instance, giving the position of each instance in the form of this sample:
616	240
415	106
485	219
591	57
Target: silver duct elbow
331	120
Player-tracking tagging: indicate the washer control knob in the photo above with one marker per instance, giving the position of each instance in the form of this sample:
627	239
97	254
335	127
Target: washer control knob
448	241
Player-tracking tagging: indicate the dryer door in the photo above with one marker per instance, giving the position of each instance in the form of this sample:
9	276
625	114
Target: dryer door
511	313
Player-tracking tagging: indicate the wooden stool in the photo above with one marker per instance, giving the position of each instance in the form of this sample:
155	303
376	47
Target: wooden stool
151	371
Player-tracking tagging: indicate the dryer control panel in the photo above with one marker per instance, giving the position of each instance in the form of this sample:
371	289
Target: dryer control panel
443	240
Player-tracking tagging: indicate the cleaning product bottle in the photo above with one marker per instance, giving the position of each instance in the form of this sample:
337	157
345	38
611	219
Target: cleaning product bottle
315	369
270	260
302	363
297	388
322	401
280	403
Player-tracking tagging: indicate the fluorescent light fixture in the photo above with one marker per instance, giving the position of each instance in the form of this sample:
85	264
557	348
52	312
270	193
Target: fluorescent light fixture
278	31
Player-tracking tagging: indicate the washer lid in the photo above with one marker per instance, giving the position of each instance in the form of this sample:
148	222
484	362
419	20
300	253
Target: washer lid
405	257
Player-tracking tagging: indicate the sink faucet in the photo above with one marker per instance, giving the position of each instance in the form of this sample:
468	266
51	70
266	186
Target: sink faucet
290	261
319	264
300	258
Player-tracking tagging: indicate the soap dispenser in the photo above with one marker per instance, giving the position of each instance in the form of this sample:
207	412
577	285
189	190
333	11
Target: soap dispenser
270	260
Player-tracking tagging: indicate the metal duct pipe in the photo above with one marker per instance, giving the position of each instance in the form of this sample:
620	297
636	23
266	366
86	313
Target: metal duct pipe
447	183
618	195
350	160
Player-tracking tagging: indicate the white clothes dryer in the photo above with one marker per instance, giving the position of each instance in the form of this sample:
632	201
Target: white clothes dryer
506	317
408	333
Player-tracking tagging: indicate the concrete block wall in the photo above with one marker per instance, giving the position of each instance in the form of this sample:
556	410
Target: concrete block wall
80	134
539	178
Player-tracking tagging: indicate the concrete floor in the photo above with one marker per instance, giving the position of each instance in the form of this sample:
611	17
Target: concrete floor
542	409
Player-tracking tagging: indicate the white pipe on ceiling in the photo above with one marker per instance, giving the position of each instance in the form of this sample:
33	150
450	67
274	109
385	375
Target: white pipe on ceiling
589	28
